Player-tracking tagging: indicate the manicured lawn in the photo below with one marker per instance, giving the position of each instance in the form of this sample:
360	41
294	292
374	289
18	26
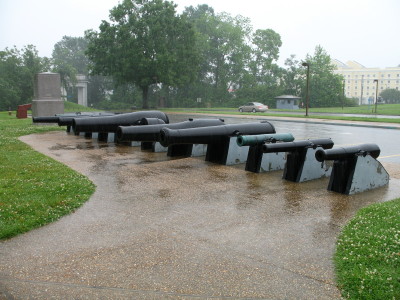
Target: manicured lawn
34	189
383	109
367	256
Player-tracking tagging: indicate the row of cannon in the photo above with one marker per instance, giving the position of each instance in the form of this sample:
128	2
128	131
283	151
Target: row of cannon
355	169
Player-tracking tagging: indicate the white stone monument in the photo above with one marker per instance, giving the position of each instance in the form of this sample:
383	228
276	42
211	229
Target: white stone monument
82	85
47	95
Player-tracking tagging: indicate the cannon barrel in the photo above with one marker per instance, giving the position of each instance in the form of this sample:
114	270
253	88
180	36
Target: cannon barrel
214	134
151	133
50	119
67	120
111	123
299	145
347	152
151	121
251	140
56	117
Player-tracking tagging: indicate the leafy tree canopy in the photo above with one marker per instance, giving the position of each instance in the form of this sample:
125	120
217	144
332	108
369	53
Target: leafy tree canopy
69	58
391	95
325	85
17	70
144	43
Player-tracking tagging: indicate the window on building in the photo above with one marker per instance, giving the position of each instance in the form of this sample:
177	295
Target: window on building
388	75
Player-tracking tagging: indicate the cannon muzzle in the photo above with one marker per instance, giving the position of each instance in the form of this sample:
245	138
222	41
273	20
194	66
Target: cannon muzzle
251	140
298	146
214	134
111	123
348	152
151	133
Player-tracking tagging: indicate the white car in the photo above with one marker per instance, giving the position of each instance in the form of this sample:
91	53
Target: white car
253	107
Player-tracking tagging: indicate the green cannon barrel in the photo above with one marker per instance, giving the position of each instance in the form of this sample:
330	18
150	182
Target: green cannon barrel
250	140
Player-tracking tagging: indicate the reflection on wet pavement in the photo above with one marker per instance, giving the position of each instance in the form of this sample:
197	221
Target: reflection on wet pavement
179	228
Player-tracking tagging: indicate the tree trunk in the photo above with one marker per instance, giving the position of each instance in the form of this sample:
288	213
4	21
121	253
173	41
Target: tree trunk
145	93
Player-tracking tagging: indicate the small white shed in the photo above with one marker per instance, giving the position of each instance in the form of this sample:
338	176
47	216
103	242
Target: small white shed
287	102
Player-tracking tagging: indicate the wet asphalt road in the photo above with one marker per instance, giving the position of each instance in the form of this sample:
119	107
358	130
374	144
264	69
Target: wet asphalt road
162	228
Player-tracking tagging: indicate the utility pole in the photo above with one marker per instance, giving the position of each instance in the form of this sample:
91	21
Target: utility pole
304	64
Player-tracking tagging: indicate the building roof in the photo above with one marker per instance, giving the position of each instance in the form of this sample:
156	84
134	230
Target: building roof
287	97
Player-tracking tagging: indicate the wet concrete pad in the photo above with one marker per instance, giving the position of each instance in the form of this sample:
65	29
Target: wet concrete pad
158	227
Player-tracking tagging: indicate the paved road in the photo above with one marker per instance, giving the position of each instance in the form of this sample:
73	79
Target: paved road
161	228
343	133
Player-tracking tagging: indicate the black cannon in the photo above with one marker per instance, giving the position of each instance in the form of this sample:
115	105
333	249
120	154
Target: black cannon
345	153
301	164
144	145
151	121
109	124
258	161
56	117
355	168
49	119
66	118
151	133
220	140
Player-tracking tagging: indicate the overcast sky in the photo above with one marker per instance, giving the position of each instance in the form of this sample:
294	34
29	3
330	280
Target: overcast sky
362	30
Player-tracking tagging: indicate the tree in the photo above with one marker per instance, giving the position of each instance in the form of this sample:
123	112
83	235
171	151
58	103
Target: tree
266	44
293	76
69	59
17	71
144	43
391	95
224	45
325	86
262	80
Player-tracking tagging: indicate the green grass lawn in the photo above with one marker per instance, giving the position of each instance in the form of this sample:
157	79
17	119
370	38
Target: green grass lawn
367	255
73	107
383	109
34	189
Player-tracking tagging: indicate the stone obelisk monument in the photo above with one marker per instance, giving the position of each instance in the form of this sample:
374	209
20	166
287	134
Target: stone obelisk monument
47	95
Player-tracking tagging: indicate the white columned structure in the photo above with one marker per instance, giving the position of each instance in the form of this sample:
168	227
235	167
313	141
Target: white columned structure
81	85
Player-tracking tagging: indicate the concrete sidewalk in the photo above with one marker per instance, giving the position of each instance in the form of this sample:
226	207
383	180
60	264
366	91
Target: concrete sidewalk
161	228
